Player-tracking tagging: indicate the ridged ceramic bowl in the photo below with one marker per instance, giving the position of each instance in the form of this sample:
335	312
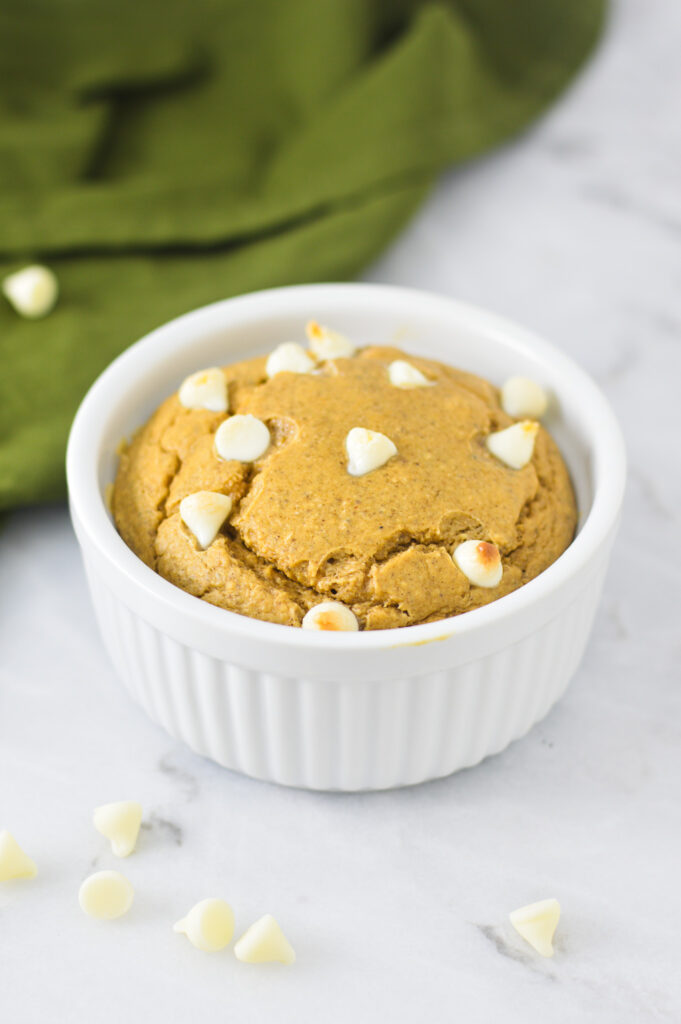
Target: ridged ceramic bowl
347	711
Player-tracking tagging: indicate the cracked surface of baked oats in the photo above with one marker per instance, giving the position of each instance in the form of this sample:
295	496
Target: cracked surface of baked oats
303	530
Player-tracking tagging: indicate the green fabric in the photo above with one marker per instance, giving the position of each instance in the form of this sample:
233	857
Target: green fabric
159	156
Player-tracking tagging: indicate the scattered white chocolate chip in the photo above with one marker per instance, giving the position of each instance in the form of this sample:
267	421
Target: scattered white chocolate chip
289	356
328	344
206	389
209	925
14	863
403	375
367	450
204	513
120	822
106	894
515	444
480	562
263	942
537	924
330	615
244	438
523	398
32	291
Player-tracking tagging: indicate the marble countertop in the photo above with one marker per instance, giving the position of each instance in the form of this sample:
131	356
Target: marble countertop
397	902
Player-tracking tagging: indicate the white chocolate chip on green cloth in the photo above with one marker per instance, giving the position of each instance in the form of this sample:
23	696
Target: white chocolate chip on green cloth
480	562
120	823
514	446
204	513
33	291
523	398
328	344
209	925
288	357
367	450
243	438
14	862
403	375
106	894
205	389
537	923
331	616
264	942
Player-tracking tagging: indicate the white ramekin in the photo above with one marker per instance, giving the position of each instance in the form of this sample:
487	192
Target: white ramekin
346	711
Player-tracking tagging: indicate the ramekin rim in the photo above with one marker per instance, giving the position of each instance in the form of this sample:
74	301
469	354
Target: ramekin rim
89	510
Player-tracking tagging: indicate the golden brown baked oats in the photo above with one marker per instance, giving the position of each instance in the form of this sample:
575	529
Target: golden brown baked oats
303	529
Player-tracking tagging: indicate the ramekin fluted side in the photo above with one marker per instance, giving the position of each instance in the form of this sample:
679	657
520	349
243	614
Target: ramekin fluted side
345	734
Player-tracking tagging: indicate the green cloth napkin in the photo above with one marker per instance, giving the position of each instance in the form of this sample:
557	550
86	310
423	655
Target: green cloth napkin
159	156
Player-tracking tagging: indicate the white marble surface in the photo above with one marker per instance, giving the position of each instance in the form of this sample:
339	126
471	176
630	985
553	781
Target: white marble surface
397	902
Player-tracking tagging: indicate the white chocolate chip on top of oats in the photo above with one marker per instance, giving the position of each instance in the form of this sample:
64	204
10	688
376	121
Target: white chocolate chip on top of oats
204	514
328	344
367	450
514	446
289	357
206	389
243	438
523	398
403	375
330	616
480	562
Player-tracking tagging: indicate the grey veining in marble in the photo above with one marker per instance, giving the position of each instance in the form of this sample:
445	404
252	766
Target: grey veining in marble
397	902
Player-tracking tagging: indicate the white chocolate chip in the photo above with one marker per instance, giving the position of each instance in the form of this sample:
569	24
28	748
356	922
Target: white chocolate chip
403	375
330	615
523	398
14	863
367	450
480	562
263	942
32	291
537	924
290	357
328	344
106	894
120	822
206	389
209	925
515	444
244	438
204	513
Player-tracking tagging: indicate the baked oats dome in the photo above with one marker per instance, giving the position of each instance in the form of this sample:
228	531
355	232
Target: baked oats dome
299	519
